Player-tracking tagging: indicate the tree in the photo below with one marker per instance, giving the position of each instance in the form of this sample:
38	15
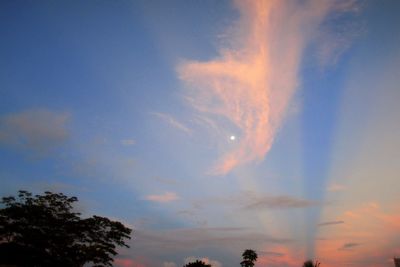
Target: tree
310	263
46	230
197	263
249	258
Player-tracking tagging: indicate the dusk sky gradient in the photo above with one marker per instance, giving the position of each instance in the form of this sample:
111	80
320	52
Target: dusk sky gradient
132	107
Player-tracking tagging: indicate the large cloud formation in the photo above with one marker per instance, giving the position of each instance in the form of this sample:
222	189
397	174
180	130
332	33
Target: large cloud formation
252	81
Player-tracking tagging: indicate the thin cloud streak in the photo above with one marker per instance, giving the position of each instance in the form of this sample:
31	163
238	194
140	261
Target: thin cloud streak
128	142
349	246
281	202
253	80
163	198
195	238
330	223
172	121
249	200
271	253
336	188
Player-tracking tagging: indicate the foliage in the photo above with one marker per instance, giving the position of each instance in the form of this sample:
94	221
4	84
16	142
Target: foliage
249	258
47	232
310	263
197	263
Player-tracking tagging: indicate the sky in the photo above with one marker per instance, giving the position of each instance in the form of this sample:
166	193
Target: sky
211	127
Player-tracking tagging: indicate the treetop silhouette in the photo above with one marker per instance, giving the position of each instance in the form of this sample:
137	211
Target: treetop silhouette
249	258
310	263
46	230
197	263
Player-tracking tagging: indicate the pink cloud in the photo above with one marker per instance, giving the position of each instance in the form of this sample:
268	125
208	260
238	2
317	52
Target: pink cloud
128	263
253	80
163	198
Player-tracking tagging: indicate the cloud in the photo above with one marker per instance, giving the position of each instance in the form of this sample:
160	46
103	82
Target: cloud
163	180
173	122
330	223
189	239
281	202
338	33
36	130
336	187
213	263
349	246
271	253
252	81
127	263
169	264
128	142
163	198
280	256
249	200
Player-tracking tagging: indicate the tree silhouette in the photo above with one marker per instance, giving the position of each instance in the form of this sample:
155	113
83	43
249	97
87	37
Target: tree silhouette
249	258
46	231
310	263
197	263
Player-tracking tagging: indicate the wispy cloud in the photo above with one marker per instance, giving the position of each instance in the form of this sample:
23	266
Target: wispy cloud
271	253
128	142
249	200
349	246
172	121
36	130
330	223
188	239
336	187
163	180
337	34
281	202
254	77
163	198
280	255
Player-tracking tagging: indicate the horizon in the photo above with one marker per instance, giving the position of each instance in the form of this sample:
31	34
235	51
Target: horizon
211	127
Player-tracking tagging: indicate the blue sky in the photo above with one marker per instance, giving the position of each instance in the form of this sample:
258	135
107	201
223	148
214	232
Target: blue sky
131	106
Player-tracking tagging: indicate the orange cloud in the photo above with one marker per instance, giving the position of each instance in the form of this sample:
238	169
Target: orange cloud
254	78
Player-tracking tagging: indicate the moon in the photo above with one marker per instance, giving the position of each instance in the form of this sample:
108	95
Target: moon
232	137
